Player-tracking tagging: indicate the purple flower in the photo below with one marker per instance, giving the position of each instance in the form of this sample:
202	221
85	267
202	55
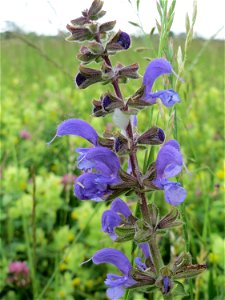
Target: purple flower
124	40
115	283
19	274
166	284
113	217
169	163
79	128
156	68
96	186
145	249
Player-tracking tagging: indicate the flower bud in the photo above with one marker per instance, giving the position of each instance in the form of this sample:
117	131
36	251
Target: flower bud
85	55
182	261
121	41
78	33
107	26
169	220
129	71
97	110
143	278
79	21
110	102
166	284
87	76
95	8
106	105
96	48
190	271
153	136
124	40
121	144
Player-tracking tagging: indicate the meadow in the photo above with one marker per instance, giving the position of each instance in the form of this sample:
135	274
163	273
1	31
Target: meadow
43	224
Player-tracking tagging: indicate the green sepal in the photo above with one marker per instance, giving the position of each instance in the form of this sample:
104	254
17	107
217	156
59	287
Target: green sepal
95	8
125	233
143	235
107	26
190	271
79	33
96	48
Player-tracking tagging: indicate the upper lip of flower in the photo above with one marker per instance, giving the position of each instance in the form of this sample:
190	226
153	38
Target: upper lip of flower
79	128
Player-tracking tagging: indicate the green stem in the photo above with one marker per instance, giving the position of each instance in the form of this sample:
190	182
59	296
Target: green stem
155	254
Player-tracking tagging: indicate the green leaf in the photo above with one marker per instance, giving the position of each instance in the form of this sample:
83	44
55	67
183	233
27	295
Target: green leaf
152	31
134	24
187	23
159	9
137	4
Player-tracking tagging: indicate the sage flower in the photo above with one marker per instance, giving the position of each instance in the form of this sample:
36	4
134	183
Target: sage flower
79	128
114	216
102	170
116	283
156	68
169	163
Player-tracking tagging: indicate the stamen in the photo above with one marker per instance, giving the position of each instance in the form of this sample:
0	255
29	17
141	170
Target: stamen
80	184
179	78
52	140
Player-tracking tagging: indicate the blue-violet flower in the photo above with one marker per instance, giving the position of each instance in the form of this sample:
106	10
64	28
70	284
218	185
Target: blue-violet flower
112	217
115	283
169	163
156	68
96	186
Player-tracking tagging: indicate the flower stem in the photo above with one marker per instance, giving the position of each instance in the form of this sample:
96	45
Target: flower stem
155	254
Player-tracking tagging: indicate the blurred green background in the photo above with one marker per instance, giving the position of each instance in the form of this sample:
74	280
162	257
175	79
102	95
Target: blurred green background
43	223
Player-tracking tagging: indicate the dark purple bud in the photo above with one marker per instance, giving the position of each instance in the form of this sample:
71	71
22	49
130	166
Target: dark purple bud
166	284
161	135
124	40
118	144
153	136
121	144
106	102
80	78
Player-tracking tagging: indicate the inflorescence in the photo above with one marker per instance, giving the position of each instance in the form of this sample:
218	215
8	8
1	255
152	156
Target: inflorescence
103	177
